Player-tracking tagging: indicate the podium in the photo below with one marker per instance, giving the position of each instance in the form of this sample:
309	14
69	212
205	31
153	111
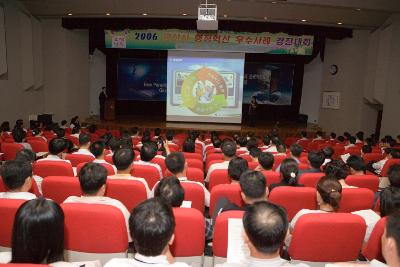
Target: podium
109	109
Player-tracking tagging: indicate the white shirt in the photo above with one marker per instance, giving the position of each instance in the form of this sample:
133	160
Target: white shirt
17	195
54	158
271	149
102	161
326	161
217	166
255	262
141	261
141	162
83	151
130	177
318	138
378	166
242	148
26	145
105	201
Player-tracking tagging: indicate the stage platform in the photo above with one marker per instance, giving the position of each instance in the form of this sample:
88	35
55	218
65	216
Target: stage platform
283	129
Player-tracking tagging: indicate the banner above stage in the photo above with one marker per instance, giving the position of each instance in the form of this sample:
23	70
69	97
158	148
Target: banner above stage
265	42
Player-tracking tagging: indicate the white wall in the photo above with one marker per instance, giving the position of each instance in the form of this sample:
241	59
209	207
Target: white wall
97	79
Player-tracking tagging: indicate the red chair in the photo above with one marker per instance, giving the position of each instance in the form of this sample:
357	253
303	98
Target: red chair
253	165
354	199
34	188
38	146
109	159
272	177
195	174
247	157
130	192
73	139
368	157
8	208
353	151
195	163
373	248
220	240
213	162
304	143
194	193
218	177
291	140
10	150
339	149
294	199
192	156
229	191
86	236
160	162
59	188
75	159
364	181
109	168
387	165
303	166
46	168
189	235
325	237
310	179
212	157
149	173
278	160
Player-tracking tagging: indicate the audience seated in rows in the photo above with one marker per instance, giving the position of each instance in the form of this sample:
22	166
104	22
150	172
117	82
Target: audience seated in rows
229	151
266	162
19	136
147	153
316	160
84	144
97	149
289	174
57	147
295	153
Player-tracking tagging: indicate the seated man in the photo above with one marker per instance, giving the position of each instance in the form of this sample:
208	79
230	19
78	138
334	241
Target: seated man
30	157
229	151
170	190
189	146
177	165
303	135
328	153
295	153
19	137
98	150
266	141
319	136
237	166
242	142
254	153
356	165
147	153
57	147
273	147
265	228
352	142
152	226
17	178
84	144
92	179
266	162
123	160
378	166
316	160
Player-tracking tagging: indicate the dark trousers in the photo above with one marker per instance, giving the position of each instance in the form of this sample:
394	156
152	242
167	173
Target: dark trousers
101	111
252	120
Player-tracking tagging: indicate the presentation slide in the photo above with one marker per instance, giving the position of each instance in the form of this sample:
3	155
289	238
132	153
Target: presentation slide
205	86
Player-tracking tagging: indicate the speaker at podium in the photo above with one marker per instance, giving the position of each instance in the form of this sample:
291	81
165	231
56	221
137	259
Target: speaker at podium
109	109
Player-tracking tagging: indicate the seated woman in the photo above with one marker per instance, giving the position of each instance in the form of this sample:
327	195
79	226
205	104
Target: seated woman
38	236
289	174
339	170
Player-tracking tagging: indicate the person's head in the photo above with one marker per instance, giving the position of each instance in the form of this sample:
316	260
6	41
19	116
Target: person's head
92	179
171	191
394	175
5	126
150	221
266	140
341	139
84	140
92	128
242	141
296	150
356	164
38	233
289	171
346	135
281	148
266	160
123	159
366	149
97	149
63	122
57	146
169	135
216	142
328	152
114	144
332	135
236	167
394	153
352	140
303	134
253	186
228	148
157	132
17	175
176	163
391	240
316	159
74	120
189	146
76	130
265	225
275	140
337	169
26	155
319	134
19	123
19	135
360	136
254	152
60	132
329	193
148	151
104	89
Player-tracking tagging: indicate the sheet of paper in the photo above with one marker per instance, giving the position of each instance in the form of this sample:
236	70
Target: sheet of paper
41	154
186	204
237	249
345	157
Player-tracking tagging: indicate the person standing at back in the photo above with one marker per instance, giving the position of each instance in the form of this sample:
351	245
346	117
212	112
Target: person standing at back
102	101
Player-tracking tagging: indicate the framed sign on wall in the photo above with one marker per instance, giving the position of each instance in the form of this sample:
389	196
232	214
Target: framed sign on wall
331	100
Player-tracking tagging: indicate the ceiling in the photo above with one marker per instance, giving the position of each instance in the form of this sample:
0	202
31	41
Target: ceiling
364	14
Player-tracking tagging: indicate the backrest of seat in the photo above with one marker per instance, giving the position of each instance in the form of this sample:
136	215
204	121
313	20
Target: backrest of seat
387	165
59	188
73	139
10	150
212	157
364	181
195	174
8	209
272	177
75	159
38	145
195	163
189	233
109	168
149	173
194	193
353	151
368	157
160	162
373	248
192	156
278	160
94	228
310	179
293	199
229	191
130	192
324	237
218	177
46	168
354	199
220	240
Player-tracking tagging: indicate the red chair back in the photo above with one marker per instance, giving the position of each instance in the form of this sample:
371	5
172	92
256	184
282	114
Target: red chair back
194	193
195	174
272	177
368	157
212	157
325	237
10	150
160	162
59	188
189	233
373	248
310	179
109	159
149	173
353	151
130	192
8	209
38	145
304	143
195	163
354	199
46	168
278	160
192	156
218	177
364	181
229	191
109	168
73	139
387	165
75	159
294	199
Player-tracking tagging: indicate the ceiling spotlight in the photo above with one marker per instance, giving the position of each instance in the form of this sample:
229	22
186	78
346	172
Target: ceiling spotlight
108	14
340	23
144	14
265	18
69	14
303	20
225	15
184	14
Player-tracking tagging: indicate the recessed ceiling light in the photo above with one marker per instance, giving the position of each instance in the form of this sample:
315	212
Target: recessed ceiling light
69	14
358	9
225	15
144	14
303	20
184	14
273	2
265	18
340	23
108	14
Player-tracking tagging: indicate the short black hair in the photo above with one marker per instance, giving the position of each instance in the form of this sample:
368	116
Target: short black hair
255	152
26	155
92	177
228	148
151	225
266	226
148	151
175	162
266	160
97	148
289	167
242	141
328	152
394	175
57	145
236	167
253	184
171	191
59	132
84	139
63	122
366	149
296	150
169	135
341	139
352	140
18	134
15	172
319	133
316	159
189	146
157	131
303	134
92	128
356	163
393	229
337	169
266	140
333	135
114	144
75	130
360	136
395	153
216	142
123	158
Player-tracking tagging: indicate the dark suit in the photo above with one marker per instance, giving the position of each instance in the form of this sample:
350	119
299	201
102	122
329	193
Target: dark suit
102	100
